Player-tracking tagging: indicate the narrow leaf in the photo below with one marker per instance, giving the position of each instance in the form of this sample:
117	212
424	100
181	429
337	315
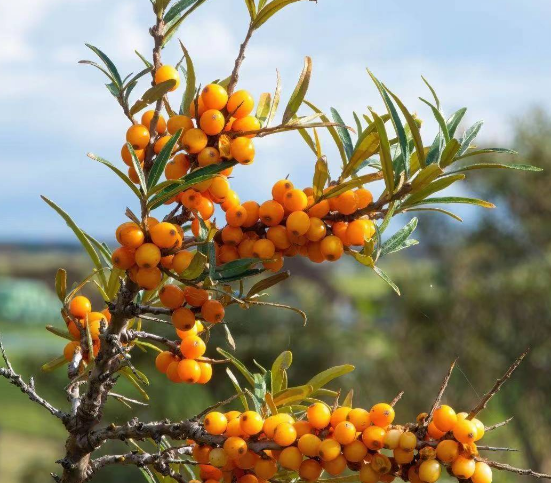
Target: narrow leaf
61	284
323	378
300	91
151	95
189	92
238	365
384	153
386	278
118	172
162	158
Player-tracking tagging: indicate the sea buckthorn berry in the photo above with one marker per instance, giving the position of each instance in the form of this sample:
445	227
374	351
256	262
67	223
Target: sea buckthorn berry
234	429
163	360
248	478
201	453
133	273
317	230
335	467
413	474
403	457
309	445
381	463
382	415
332	248
434	432
194	141
271	423
346	203
408	441
265	468
363	197
127	157
191	199
447	451
429	471
80	307
138	136
313	252
329	449
280	188
164	235
373	437
298	223
319	210
355	451
177	167
339	415
130	235
463	467
212	311
167	72
310	470
480	429
251	422
235	447
179	122
210	473
195	296
482	473
464	431
236	215
242	150
192	107
240	104
444	418
107	315
172	297
206	372
181	261
193	347
344	432
245	248
368	474
215	422
247	123
69	350
214	96
340	229
252	209
212	122
319	415
228	253
95	320
276	264
303	427
360	418
295	200
392	438
189	371
271	213
148	255
285	434
231	415
356	232
264	249
149	278
219	189
231	199
217	457
147	116
290	458
172	372
232	235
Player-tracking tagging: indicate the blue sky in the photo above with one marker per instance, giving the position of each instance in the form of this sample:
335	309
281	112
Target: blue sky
486	55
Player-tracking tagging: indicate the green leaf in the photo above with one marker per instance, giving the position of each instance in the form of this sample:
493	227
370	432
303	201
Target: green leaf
251	7
81	238
520	167
280	365
275	100
238	365
438	210
162	158
126	372
269	10
459	200
321	175
99	67
177	9
348	185
433	92
426	176
363	258
452	124
54	364
144	60
343	133
174	25
118	172
399	237
249	273
300	90
439	119
235	268
60	333
263	108
108	63
323	378
196	267
470	136
61	284
478	152
268	282
384	153
138	76
138	168
448	155
367	147
347	403
238	389
151	95
292	395
386	278
160	6
189	92
438	185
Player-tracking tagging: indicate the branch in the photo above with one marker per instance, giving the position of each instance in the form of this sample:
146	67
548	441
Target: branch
497	425
140	334
266	131
494	448
397	398
239	60
436	402
512	469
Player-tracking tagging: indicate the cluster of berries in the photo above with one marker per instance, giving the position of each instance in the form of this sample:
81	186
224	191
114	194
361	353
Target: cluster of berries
81	319
214	113
250	449
292	223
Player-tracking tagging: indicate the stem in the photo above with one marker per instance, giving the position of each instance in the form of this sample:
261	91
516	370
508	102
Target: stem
240	57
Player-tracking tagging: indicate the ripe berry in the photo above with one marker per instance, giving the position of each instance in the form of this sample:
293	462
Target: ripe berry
345	432
340	229
167	72
317	230
127	157
232	235
235	447
248	123
290	458
208	156
444	418
276	264
463	467
215	423
193	347
228	253
248	478
368	474
242	150
251	422
373	437
447	451
265	468
212	122
309	445
408	441
69	350
161	143
212	311
148	255
479	425
189	371
130	235
482	473
464	431
356	232
195	296
329	449
183	318
164	235
264	249
319	210
413	474
219	189
392	439
295	200
332	248
177	167
271	213
319	415
280	188
149	278
434	432
346	203
364	198
381	463
172	372
245	248
231	199
80	307
163	360
179	122
181	261
303	427
138	136
382	415
310	470
355	451
285	434
206	372
205	208
335	467
272	422
194	141
429	471
298	223
240	104
359	418
339	415
214	96
403	457
236	215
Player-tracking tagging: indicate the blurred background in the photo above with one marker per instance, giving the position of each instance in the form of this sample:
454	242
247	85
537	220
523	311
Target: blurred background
478	290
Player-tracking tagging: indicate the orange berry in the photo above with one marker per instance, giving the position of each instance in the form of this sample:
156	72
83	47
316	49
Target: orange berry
339	415
332	248
172	296
138	136
309	445
335	467
252	208
290	458
231	199
219	188
480	429
191	199
172	372
434	432
278	236
249	477
193	347
201	105
360	418
264	249
164	235
271	423
403	457
271	213
130	235
205	208
165	73
242	150
240	104
344	432
147	116
463	467
392	438
319	210
195	226
195	296
148	255
80	307
368	474
310	470
133	175
206	372
235	447
276	264
382	415
177	167
228	253
123	258
214	96
251	422
313	252
285	434
179	122
408	441
373	437
355	451
208	156
69	350
215	422
213	311
247	123
245	248
265	468
181	261
482	473
280	188
346	203
444	418
163	360
189	371
298	223
295	200
194	141
429	471
447	451
329	449
356	232
201	453
232	235
212	122
465	431
236	215
319	415
317	230
127	157
363	197
95	320
149	278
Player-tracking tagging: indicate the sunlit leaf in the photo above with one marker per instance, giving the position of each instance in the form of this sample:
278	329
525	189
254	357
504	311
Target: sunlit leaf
162	158
238	365
266	12
189	91
54	364
267	283
237	388
437	210
263	108
292	395
448	155
251	7
343	133
118	172
300	90
470	136
280	365
108	63
438	185
399	237
196	267
384	153
174	25
151	95
61	284
520	167
321	176
386	278
328	375
459	200
478	152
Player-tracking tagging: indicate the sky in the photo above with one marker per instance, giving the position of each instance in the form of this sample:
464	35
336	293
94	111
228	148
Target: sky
489	56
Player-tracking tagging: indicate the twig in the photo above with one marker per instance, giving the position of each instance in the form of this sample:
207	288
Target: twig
495	448
498	425
140	334
216	405
440	394
397	398
512	469
155	319
497	386
239	60
127	399
266	131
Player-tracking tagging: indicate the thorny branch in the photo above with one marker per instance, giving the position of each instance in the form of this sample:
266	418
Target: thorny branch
239	60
